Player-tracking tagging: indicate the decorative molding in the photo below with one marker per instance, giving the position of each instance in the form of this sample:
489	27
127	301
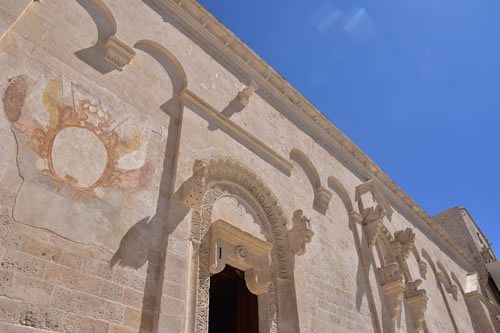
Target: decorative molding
416	300
221	177
300	234
322	195
229	126
118	53
245	94
230	245
393	288
373	222
450	288
220	39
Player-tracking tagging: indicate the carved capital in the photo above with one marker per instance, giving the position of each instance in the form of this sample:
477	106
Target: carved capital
404	241
230	245
450	288
373	222
118	53
300	234
192	189
245	94
416	300
393	288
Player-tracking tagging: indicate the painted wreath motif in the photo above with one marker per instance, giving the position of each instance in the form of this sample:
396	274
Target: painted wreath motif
87	117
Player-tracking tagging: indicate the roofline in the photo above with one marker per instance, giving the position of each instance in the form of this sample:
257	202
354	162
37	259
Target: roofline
193	15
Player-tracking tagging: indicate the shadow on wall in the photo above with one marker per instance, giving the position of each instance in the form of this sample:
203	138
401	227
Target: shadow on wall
147	240
94	56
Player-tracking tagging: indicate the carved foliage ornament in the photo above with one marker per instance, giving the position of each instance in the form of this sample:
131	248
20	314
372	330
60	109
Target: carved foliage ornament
300	234
416	300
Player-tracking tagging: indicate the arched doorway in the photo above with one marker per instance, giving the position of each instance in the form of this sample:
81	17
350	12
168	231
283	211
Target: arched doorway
222	177
233	308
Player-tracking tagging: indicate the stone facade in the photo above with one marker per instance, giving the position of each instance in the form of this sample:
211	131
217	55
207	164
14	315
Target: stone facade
145	147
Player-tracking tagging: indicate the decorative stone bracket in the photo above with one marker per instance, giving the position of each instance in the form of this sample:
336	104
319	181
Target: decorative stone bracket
393	288
230	245
416	300
300	234
118	53
245	94
450	288
192	189
322	197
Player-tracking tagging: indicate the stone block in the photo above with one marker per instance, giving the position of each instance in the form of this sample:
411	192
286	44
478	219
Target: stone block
120	329
111	291
89	325
71	260
99	308
64	299
72	279
41	249
9	310
138	319
32	290
23	263
97	267
130	277
41	318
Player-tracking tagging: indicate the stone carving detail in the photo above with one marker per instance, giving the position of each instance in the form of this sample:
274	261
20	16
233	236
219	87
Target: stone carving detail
245	94
422	266
404	241
214	179
393	288
194	186
416	300
118	53
322	197
300	234
373	218
230	245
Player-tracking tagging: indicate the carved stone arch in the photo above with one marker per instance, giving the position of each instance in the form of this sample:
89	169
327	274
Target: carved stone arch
338	188
168	60
445	279
109	52
322	196
222	177
427	257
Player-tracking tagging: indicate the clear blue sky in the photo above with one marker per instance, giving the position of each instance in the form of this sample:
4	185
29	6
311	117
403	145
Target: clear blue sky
415	84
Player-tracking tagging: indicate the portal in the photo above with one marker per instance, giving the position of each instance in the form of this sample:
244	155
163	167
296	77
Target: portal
233	308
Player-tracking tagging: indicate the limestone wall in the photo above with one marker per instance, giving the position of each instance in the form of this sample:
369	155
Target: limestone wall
107	106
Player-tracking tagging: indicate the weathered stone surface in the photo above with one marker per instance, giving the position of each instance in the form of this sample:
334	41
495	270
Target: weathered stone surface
111	182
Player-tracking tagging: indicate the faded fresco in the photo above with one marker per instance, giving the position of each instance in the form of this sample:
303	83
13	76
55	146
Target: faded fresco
79	160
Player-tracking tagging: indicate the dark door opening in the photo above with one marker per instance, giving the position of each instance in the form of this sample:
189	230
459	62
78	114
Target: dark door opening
233	308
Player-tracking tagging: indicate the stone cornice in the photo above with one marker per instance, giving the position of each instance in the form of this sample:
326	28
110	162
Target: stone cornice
193	16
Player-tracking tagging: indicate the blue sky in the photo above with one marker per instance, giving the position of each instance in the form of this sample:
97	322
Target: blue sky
415	84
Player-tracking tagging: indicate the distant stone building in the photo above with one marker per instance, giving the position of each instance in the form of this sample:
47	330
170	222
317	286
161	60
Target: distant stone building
158	176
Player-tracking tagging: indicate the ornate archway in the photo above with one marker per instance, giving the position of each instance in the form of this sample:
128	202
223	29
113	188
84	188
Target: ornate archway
222	177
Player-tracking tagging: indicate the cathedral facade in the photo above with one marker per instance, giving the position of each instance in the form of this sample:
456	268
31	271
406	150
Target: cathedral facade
158	176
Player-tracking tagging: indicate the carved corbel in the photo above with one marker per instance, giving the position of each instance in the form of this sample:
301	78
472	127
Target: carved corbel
230	245
322	198
192	189
404	241
300	234
373	221
118	53
416	300
245	94
393	288
450	288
